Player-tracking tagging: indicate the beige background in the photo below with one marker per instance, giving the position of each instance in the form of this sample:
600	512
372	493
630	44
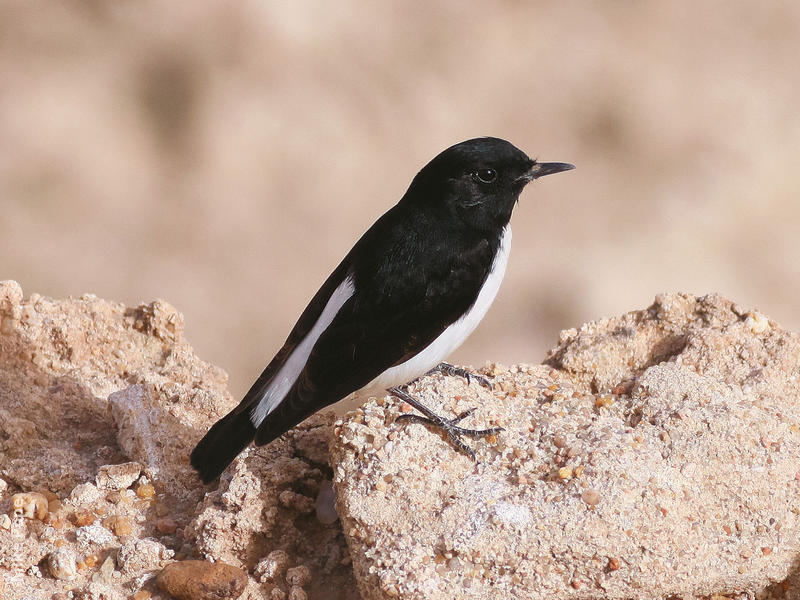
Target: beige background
225	156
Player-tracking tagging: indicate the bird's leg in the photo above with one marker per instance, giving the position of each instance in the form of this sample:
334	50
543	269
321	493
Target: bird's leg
448	426
449	370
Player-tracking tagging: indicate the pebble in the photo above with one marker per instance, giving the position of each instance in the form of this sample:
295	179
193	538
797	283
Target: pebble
93	535
166	526
271	567
117	477
62	563
326	504
119	525
30	505
146	491
590	496
297	593
298	576
202	580
84	494
107	569
137	555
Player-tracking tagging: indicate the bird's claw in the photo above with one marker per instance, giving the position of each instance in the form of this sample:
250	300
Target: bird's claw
449	427
452	370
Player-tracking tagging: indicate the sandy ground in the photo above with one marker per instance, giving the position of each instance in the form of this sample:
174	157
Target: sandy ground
226	156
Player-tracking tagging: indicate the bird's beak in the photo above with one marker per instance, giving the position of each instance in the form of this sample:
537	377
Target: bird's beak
542	169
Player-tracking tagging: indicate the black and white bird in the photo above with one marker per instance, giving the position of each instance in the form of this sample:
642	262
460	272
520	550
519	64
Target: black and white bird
409	292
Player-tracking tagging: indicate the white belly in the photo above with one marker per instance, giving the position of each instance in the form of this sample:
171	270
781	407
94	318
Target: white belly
452	337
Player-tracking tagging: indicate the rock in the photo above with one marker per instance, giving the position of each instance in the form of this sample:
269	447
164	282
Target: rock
98	590
85	493
93	537
272	567
325	506
264	507
60	360
117	477
62	563
298	576
202	580
61	433
655	456
106	572
30	505
137	555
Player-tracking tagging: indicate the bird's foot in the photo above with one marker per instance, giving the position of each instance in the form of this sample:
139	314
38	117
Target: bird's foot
450	370
448	426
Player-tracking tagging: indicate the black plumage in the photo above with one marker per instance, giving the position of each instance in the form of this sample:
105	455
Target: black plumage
405	286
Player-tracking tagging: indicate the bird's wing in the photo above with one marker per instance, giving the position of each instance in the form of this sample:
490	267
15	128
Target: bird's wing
299	332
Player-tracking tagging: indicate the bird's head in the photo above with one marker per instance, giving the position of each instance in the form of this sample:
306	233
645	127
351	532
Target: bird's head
479	181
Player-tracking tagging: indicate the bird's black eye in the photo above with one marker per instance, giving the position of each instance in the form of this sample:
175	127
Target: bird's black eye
485	175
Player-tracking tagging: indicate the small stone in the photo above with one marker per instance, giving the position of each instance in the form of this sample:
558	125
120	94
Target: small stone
202	580
757	322
271	567
119	525
107	569
30	505
91	560
166	526
604	401
5	521
117	477
63	564
298	576
297	593
294	501
142	595
82	517
590	497
326	503
84	494
93	536
146	491
137	555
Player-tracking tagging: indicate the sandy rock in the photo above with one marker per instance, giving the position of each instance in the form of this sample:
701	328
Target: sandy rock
272	567
137	555
59	361
30	505
117	477
202	580
656	457
98	590
61	435
63	564
262	516
91	538
148	430
84	494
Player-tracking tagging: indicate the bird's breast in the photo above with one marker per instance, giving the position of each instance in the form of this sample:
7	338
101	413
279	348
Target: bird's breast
454	334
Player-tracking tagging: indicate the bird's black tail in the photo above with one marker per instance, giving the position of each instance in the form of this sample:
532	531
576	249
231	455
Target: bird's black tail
223	442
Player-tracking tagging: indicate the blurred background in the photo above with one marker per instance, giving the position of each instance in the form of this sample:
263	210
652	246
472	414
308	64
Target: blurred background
225	156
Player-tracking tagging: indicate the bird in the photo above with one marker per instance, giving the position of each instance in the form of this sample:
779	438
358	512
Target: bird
408	293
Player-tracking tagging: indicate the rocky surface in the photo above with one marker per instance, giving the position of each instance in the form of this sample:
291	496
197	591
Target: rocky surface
655	455
100	405
263	517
